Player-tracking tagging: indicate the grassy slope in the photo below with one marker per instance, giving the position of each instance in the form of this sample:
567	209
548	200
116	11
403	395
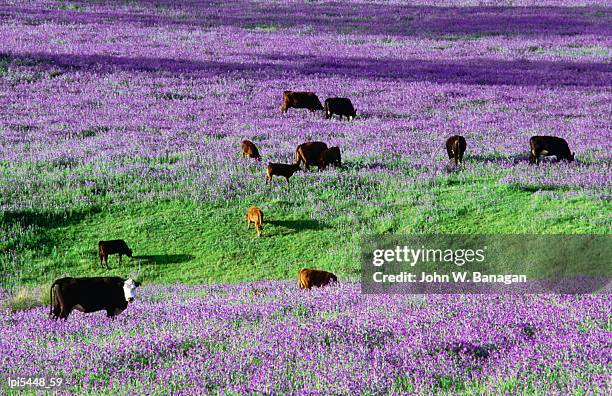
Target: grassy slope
194	243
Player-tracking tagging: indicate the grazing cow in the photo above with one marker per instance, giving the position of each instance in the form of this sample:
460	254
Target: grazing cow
339	106
330	156
308	278
284	170
255	216
300	100
249	150
117	246
549	145
455	147
109	293
309	153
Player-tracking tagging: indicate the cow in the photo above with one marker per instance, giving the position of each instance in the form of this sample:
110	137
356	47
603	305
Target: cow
309	153
339	106
249	150
547	146
455	147
307	278
255	216
284	170
330	156
117	246
300	100
109	293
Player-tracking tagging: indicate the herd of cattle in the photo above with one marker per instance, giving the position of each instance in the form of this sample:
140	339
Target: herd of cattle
113	294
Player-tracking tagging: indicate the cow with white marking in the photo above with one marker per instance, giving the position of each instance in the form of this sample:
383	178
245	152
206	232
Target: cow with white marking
108	293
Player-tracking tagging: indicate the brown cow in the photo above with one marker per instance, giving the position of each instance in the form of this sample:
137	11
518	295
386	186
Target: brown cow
300	100
330	156
284	170
249	150
117	246
308	278
455	147
255	215
548	145
309	153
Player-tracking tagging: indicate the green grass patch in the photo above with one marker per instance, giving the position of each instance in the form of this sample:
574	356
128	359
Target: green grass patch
261	27
183	241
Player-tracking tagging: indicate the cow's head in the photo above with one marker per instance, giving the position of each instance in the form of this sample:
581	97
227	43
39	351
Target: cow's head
129	253
571	157
129	289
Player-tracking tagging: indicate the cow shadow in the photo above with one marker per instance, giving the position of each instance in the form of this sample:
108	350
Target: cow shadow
534	188
298	225
158	259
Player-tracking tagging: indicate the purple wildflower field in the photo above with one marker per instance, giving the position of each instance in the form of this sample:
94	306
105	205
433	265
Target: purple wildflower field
145	99
270	338
112	107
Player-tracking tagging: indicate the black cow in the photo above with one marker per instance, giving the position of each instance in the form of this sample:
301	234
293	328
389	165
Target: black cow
117	246
109	293
300	100
455	147
548	145
339	106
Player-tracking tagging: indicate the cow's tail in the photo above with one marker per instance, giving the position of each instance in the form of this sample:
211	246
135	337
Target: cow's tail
51	300
456	150
298	159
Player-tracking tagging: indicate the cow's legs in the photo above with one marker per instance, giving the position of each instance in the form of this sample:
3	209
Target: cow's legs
120	255
64	313
106	260
56	311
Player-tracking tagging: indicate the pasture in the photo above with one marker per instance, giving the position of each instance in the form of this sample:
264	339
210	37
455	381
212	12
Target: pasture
124	120
269	338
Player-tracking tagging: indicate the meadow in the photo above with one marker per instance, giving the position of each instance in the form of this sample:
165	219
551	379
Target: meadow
123	120
269	338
